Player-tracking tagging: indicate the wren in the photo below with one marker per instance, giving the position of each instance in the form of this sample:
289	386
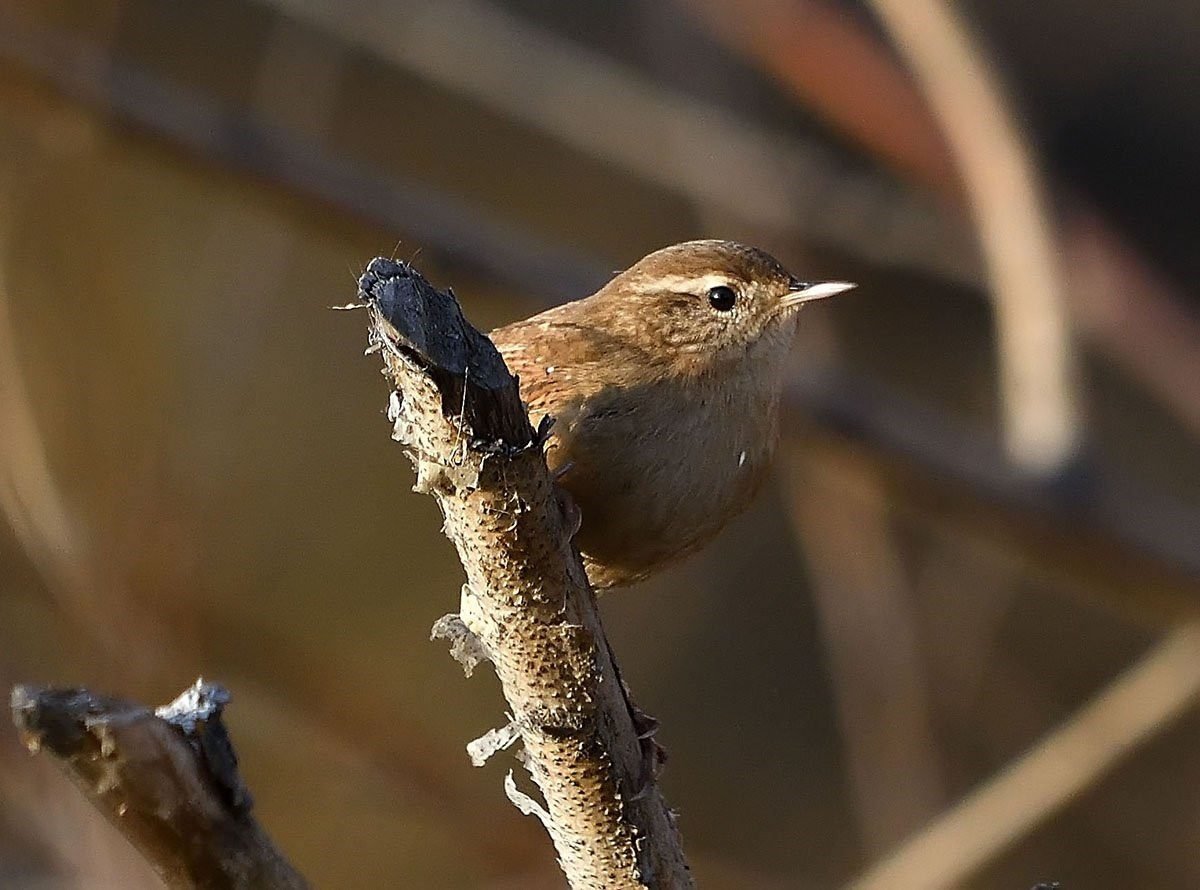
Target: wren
664	387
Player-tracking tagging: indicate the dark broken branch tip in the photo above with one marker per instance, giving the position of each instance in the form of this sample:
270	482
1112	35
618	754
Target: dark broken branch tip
425	329
421	320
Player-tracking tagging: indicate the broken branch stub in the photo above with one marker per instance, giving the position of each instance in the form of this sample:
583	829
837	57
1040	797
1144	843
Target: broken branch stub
167	780
458	411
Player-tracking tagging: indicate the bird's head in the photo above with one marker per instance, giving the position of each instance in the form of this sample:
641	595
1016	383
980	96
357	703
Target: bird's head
710	303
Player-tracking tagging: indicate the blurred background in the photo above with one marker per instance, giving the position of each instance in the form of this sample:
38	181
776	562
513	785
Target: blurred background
952	644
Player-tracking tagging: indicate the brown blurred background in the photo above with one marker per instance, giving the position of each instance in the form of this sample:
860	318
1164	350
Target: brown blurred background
953	642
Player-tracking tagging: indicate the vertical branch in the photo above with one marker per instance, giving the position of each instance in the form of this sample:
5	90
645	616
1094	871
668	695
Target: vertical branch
526	606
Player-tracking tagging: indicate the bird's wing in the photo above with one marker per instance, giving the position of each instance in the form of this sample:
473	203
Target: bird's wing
560	358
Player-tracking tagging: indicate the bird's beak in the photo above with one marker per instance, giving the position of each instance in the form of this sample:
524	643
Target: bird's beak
803	292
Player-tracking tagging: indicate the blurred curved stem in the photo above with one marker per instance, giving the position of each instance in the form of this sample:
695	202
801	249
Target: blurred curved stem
1037	365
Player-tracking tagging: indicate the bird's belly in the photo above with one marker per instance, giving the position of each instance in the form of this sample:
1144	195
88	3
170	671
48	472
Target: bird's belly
651	492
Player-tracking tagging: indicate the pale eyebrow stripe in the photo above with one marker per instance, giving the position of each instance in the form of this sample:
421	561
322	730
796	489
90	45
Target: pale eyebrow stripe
692	284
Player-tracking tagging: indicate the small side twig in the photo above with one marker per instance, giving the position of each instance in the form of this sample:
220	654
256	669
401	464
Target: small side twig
526	606
167	780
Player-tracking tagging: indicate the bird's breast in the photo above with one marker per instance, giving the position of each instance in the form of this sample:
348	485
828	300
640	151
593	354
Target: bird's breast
658	472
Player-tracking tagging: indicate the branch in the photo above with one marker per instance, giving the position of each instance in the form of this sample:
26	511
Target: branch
166	779
526	606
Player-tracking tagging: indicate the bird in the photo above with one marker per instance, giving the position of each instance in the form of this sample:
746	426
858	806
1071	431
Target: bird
664	389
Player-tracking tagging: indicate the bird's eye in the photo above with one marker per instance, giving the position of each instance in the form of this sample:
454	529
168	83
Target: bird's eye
721	298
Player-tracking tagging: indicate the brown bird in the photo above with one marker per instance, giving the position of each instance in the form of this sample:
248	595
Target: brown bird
664	387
